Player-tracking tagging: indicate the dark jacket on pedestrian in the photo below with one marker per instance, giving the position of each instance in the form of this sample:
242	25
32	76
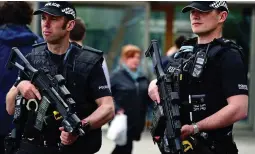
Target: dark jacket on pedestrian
130	93
11	36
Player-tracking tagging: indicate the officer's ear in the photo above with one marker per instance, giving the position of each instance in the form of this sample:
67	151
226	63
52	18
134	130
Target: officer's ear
70	25
222	16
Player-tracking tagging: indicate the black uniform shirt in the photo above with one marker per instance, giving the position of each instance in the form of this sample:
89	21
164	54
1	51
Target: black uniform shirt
224	76
230	72
234	77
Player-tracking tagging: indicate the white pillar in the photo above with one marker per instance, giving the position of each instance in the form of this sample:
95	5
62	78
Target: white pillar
34	24
252	74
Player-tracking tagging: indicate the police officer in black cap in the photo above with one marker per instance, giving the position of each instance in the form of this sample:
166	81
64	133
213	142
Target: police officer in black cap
214	81
82	69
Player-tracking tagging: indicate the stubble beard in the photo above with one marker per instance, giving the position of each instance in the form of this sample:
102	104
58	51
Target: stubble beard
56	39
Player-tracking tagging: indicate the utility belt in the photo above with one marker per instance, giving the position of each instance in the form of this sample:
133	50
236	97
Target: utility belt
41	142
203	143
210	138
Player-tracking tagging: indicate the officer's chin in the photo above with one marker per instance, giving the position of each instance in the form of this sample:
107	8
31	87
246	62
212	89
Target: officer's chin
197	31
50	41
201	32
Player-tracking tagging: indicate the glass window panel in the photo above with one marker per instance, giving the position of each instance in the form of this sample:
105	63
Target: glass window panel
158	27
109	28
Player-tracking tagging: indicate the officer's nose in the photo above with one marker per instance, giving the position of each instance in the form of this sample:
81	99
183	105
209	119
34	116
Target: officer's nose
195	14
46	23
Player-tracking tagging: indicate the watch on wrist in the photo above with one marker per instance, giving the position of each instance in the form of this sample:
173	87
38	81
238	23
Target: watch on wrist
196	130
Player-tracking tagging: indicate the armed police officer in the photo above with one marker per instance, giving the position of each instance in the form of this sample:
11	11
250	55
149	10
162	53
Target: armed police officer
81	67
214	81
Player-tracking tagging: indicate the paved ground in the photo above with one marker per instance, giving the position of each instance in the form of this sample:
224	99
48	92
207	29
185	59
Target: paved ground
245	142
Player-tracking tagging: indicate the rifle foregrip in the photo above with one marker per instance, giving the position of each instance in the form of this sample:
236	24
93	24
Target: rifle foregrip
158	122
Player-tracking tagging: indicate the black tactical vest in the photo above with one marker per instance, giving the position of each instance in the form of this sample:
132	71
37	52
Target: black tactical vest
198	86
75	69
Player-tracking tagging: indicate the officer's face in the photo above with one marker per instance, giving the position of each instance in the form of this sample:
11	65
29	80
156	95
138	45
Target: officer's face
133	62
204	23
54	28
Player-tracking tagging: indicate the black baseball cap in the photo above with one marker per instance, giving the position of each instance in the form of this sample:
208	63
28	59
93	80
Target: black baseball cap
58	8
206	6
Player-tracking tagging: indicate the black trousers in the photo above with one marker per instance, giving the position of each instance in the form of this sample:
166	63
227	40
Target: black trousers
28	148
2	144
126	149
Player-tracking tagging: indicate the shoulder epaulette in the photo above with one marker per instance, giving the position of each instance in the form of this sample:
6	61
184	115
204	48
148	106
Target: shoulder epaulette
92	49
76	44
87	48
227	42
38	44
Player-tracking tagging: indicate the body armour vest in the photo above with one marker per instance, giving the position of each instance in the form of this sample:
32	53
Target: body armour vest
200	90
76	67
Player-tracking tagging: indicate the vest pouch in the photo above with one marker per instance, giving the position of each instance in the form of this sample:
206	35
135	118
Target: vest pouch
75	85
51	129
30	131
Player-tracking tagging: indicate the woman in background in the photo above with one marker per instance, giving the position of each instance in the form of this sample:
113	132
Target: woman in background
129	89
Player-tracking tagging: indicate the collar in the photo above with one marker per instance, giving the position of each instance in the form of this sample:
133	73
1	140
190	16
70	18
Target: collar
66	53
135	75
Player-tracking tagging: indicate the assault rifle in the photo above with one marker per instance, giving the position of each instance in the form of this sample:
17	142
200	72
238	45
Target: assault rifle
166	125
53	92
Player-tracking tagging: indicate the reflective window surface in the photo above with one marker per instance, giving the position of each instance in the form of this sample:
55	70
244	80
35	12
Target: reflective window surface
158	27
109	28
